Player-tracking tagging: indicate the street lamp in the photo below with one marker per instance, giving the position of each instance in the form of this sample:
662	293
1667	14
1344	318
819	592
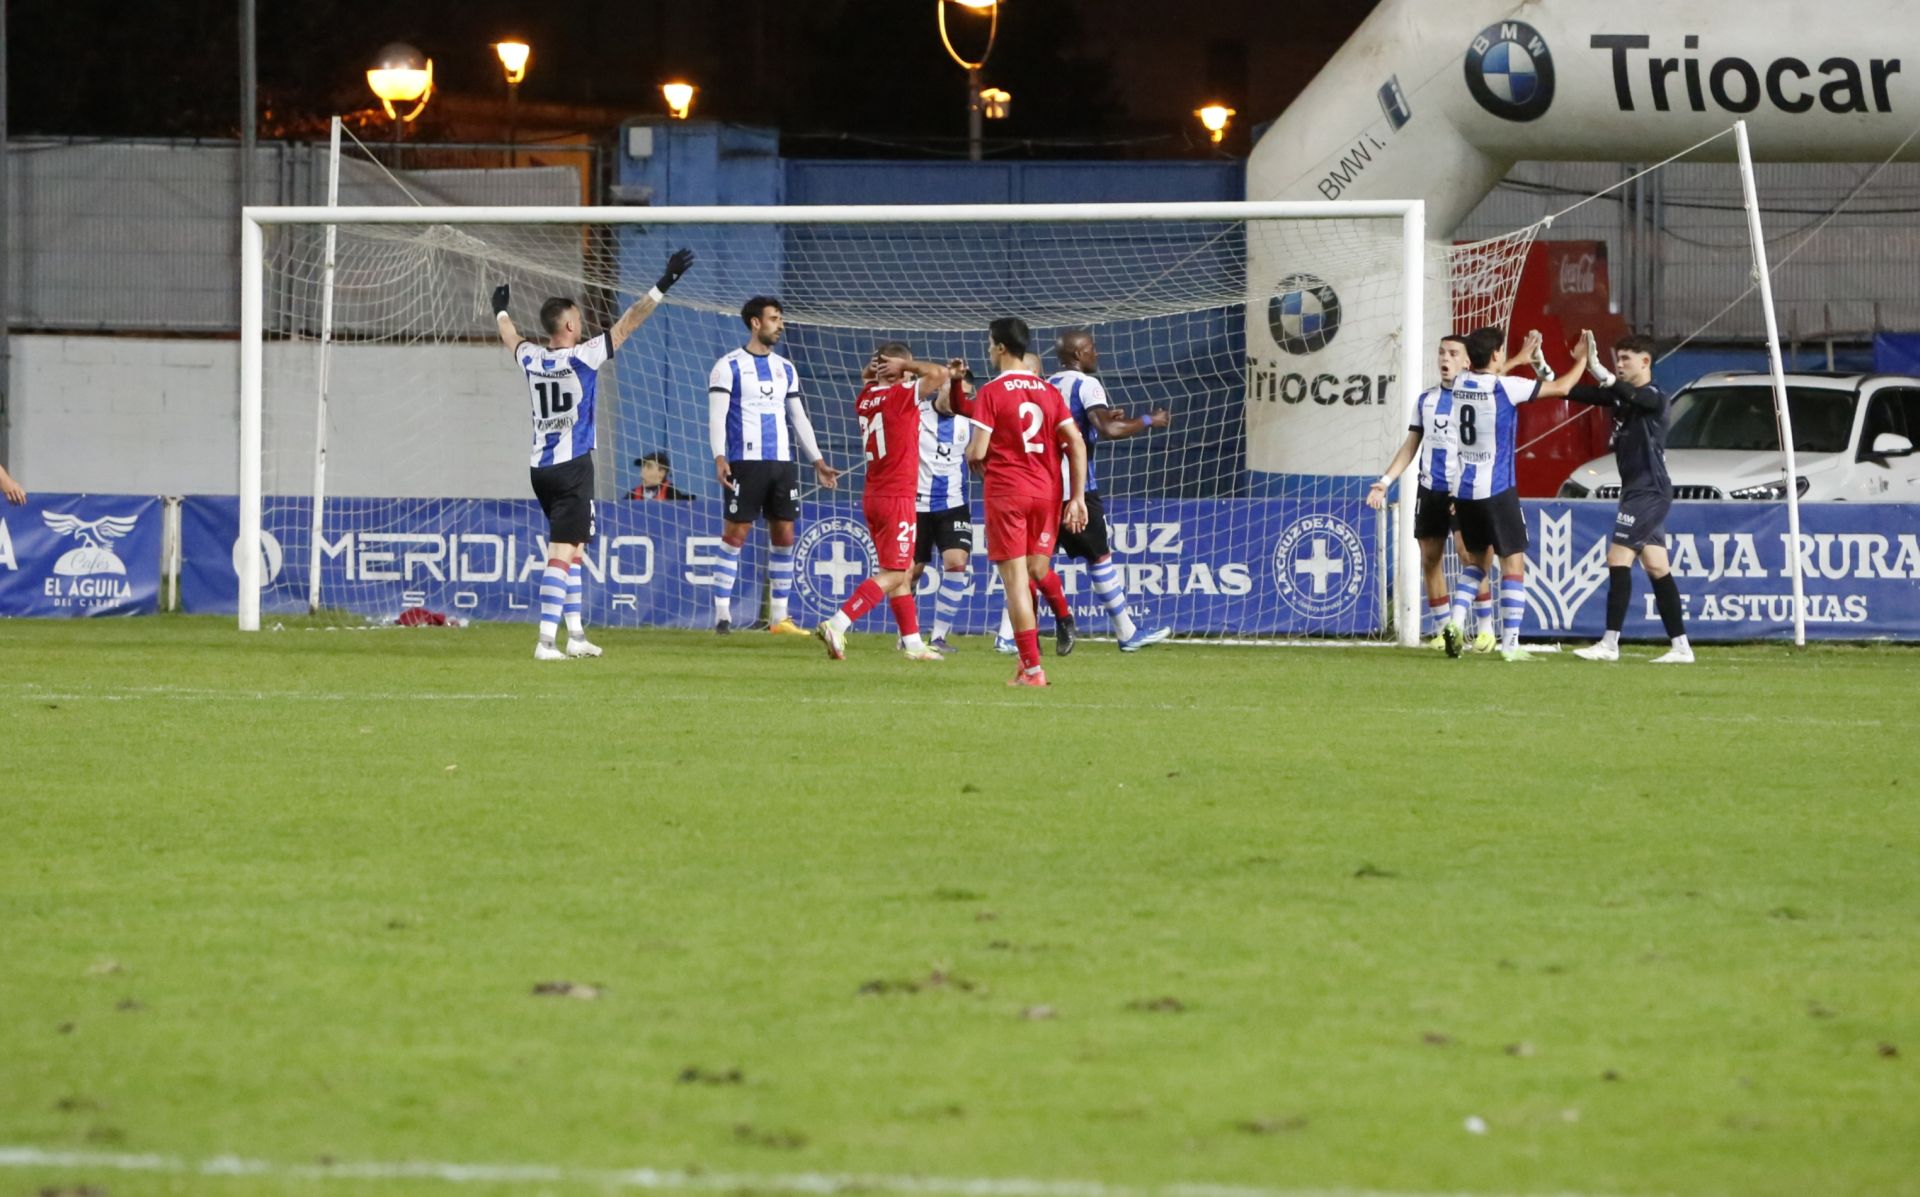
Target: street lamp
513	59
401	74
679	97
1215	118
996	103
972	66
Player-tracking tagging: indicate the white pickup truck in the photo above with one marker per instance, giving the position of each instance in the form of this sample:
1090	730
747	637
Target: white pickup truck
1853	438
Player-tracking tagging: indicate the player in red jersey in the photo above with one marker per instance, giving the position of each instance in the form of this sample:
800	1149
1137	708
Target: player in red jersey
889	411
1021	426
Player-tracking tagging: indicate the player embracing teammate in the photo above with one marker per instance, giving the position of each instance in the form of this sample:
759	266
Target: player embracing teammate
1022	428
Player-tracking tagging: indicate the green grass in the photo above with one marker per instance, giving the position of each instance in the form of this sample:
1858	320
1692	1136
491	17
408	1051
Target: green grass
287	897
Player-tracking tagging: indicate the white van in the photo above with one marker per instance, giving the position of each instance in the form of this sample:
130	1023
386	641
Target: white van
1853	438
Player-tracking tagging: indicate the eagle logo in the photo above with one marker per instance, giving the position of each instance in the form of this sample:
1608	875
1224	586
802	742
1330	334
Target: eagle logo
95	553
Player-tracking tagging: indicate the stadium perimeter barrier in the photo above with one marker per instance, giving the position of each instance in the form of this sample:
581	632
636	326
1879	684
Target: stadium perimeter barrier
88	555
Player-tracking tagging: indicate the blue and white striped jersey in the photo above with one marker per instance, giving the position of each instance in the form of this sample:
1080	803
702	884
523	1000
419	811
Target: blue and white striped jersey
1081	391
1439	450
757	387
943	460
563	385
1484	422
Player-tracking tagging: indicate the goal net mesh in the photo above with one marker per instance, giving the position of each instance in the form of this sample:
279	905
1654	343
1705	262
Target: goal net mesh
1275	344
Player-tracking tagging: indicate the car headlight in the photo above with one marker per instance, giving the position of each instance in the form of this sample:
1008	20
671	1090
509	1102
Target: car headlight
1573	490
1772	492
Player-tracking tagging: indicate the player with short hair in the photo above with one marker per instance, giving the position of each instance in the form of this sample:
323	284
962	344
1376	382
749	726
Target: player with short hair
1431	438
752	393
940	503
1646	492
563	385
1485	494
1021	426
888	408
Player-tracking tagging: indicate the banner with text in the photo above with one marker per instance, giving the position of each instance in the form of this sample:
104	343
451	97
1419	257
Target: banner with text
1860	565
1267	566
71	556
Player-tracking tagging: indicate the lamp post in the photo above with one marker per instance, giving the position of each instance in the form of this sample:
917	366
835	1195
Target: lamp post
1215	118
679	98
513	58
401	74
975	101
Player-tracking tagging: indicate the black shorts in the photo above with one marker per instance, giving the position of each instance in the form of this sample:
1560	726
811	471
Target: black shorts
769	488
943	530
565	492
1498	522
1641	521
1090	543
1433	515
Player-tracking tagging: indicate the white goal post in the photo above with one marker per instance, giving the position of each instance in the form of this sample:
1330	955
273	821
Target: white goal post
1400	300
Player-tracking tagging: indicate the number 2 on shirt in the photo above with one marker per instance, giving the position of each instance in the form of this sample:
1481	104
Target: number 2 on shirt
1031	418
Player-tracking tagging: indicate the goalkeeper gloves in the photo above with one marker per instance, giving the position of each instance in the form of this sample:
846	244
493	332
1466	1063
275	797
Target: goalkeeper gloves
1601	374
500	300
676	266
1538	361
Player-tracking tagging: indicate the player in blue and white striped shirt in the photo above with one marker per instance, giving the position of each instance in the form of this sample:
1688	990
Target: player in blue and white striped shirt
1485	490
945	519
563	380
752	392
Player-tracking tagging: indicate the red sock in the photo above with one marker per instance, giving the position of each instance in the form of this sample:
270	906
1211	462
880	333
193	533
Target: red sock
864	599
1048	584
905	614
1028	642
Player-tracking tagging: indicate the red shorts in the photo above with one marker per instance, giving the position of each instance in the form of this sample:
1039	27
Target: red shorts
892	523
1022	526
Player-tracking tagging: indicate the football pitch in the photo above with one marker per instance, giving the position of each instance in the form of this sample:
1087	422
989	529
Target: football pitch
406	912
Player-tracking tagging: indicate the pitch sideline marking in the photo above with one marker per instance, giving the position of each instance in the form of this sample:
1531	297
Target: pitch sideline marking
658	1178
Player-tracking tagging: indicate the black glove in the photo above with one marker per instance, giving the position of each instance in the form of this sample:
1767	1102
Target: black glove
500	300
676	266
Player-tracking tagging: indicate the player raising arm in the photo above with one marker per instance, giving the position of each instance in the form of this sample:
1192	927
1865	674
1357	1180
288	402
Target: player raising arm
1021	426
562	383
889	412
1646	492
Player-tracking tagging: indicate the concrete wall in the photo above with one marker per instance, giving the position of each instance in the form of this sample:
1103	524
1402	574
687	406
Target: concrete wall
161	416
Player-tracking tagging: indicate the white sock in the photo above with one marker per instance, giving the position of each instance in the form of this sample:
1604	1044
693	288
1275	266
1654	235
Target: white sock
575	630
1112	595
1611	640
723	609
839	622
913	644
1006	625
776	610
1680	645
726	570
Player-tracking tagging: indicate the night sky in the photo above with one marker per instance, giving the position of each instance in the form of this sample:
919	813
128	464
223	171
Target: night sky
838	77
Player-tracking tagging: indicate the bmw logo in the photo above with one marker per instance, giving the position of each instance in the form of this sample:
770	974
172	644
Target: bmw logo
829	559
1305	314
1510	71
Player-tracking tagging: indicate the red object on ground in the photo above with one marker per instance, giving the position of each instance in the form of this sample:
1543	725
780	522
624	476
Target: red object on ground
420	617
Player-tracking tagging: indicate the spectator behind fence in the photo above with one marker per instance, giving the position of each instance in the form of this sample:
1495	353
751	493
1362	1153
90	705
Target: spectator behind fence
15	493
654	469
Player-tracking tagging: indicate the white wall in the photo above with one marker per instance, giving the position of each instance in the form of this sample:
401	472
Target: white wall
161	416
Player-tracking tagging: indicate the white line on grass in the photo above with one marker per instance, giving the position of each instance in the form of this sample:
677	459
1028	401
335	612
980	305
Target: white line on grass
657	1178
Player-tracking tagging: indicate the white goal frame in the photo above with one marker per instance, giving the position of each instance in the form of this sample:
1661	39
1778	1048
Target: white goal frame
254	220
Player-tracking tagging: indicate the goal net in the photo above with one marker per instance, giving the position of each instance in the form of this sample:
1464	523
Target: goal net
392	430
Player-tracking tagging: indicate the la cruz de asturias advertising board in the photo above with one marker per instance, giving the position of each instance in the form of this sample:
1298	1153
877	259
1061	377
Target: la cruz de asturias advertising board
72	556
1267	566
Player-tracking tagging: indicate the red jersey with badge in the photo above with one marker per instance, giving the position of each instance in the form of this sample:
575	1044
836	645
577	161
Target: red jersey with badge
1023	413
890	436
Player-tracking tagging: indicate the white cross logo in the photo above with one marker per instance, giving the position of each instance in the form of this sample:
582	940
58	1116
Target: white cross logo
1319	565
839	568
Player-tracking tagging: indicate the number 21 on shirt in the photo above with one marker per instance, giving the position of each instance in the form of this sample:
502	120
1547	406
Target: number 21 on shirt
873	434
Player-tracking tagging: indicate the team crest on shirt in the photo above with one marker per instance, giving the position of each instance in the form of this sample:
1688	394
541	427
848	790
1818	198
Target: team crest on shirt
1510	71
829	559
1320	566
